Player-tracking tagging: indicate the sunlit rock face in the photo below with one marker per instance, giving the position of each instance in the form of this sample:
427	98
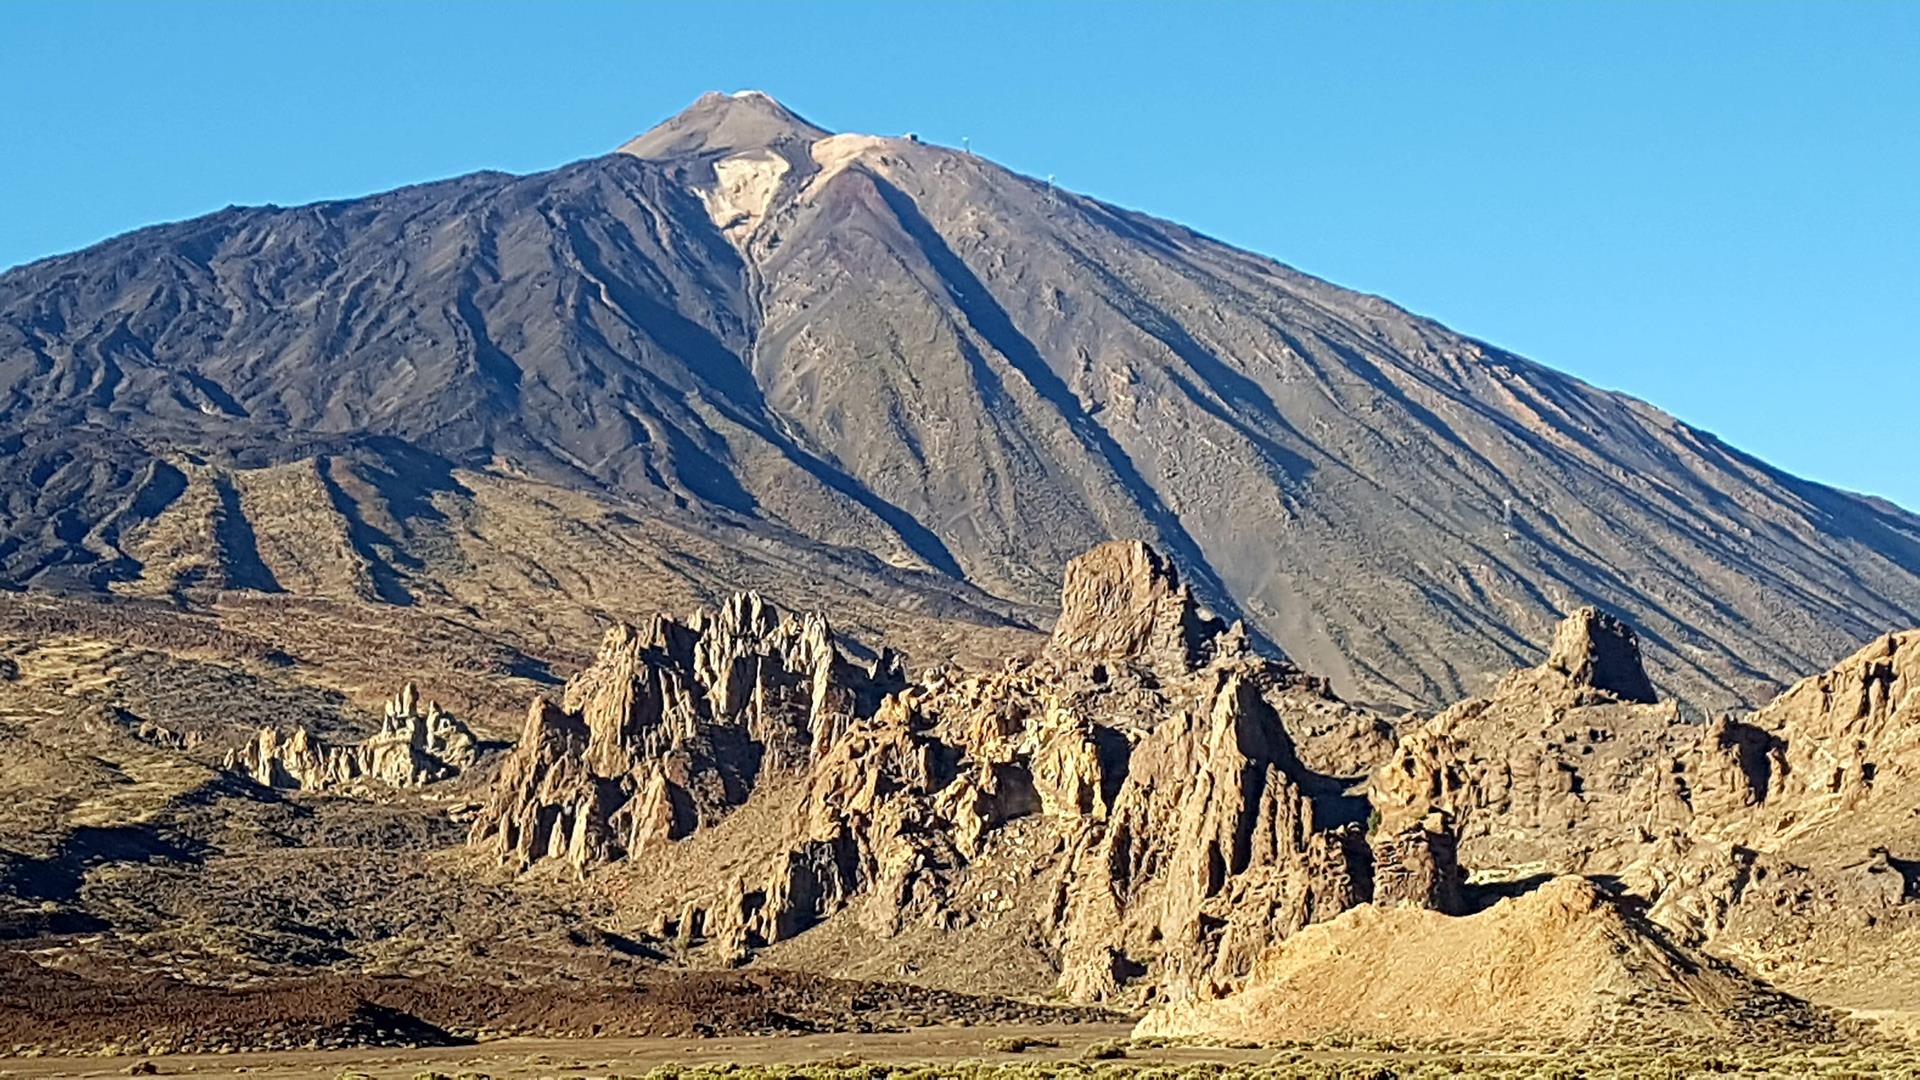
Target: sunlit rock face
415	745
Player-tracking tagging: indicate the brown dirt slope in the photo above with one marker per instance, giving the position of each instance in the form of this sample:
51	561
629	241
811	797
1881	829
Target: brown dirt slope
1561	962
40	1008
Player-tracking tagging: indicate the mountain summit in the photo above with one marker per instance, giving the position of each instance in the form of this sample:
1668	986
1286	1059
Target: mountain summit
719	123
888	379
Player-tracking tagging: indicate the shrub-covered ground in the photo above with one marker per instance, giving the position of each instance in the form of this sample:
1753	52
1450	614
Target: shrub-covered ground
994	1053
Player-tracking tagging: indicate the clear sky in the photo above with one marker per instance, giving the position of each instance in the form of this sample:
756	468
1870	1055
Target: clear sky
1715	207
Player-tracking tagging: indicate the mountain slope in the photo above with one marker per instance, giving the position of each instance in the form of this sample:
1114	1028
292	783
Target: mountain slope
1564	961
904	360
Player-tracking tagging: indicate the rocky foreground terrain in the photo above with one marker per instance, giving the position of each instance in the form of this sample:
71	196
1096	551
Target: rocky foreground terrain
734	823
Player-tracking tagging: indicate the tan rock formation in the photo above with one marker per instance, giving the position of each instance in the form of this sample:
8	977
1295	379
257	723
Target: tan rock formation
1418	866
1148	808
1124	601
1598	652
1802	861
671	727
1830	746
414	746
1563	767
1212	852
1168	823
1787	841
1823	780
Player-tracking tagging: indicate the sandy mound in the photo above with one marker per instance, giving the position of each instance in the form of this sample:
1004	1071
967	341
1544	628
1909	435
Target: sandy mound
1560	962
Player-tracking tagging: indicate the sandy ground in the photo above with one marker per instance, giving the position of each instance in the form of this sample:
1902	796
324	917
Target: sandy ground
580	1059
605	1057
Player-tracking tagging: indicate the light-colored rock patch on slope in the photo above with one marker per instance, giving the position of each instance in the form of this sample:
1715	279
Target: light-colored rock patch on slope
835	153
745	185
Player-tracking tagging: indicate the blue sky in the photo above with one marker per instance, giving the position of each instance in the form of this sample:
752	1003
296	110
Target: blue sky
1715	207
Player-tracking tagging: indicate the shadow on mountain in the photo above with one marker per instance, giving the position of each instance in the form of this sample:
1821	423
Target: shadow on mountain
59	877
987	318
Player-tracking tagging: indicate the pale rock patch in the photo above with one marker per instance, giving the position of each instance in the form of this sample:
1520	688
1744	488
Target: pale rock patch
744	187
835	153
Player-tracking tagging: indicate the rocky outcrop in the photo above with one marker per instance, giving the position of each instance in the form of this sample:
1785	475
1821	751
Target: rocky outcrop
1822	780
1784	840
1802	860
1212	851
1599	653
414	746
1124	601
1829	746
1567	766
1419	867
1167	824
671	727
1148	807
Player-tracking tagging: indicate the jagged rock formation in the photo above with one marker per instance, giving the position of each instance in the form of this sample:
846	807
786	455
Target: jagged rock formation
1125	602
1832	745
1149	811
1558	767
1144	736
1211	850
1803	858
1563	962
1566	767
671	727
1787	841
880	372
414	746
1600	657
1140	770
